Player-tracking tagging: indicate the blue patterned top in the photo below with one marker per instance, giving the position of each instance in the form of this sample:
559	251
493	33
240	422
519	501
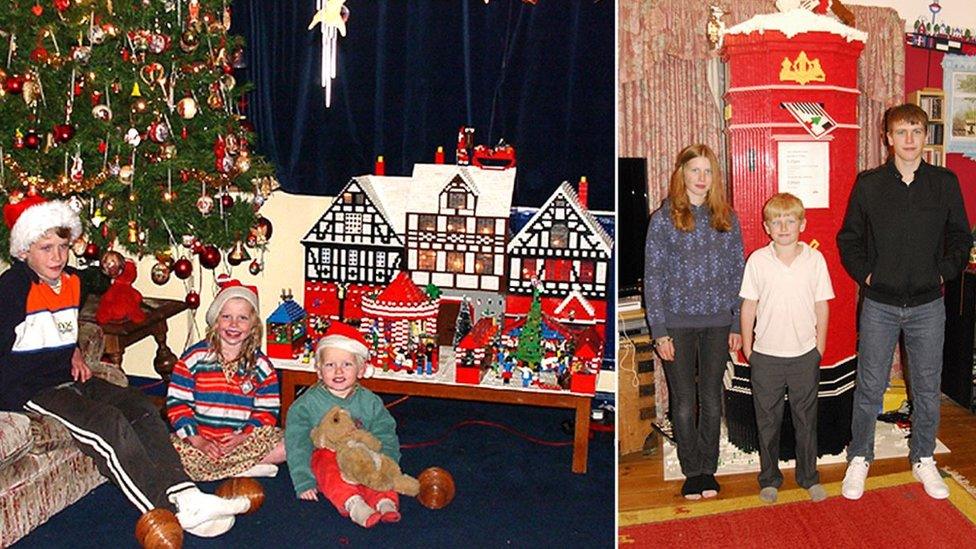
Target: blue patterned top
691	279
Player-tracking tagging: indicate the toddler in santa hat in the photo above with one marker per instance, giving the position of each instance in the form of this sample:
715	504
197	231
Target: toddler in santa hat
44	372
340	361
223	399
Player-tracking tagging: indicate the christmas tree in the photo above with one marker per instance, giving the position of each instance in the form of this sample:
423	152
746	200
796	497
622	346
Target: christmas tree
529	348
130	110
462	325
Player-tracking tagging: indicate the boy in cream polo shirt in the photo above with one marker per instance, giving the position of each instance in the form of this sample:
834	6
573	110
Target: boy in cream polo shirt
785	289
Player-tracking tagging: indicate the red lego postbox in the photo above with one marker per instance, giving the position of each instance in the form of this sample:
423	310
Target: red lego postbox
792	127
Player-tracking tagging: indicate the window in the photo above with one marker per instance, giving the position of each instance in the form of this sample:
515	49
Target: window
559	235
354	223
325	256
381	259
557	270
485	226
359	199
586	272
457	200
427	260
484	264
457	224
347	198
427	223
530	269
352	258
455	262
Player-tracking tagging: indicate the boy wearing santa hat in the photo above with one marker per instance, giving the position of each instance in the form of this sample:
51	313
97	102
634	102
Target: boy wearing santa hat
42	371
340	362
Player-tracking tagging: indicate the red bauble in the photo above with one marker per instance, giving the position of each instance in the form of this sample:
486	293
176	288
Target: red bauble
91	251
63	132
210	257
14	84
39	54
227	201
183	268
32	140
192	299
255	267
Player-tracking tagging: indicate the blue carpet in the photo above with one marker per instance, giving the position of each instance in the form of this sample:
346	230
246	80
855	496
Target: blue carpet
510	492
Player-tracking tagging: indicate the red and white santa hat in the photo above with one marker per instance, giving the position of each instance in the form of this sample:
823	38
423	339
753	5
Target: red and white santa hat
345	337
231	288
32	216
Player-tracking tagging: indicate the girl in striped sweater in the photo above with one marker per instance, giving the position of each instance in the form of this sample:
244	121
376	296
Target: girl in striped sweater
223	399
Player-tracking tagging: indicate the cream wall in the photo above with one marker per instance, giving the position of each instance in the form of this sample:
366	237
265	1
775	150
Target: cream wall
291	217
955	13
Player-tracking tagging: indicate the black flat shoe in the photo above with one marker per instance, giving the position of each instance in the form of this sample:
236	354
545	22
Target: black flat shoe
692	487
709	486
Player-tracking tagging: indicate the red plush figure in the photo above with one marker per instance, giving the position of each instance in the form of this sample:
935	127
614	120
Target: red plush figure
121	302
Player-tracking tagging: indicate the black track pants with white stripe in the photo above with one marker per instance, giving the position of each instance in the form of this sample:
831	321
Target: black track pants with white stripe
123	432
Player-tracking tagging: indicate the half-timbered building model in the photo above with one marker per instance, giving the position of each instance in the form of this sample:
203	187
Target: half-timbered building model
400	324
355	248
457	229
565	250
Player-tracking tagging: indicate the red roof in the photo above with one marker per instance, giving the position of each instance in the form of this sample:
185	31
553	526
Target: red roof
402	291
588	343
480	335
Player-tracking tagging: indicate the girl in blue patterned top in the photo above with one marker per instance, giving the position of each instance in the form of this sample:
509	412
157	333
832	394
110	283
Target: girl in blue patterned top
692	272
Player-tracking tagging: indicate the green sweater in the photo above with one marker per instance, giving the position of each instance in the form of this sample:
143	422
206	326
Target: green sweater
306	412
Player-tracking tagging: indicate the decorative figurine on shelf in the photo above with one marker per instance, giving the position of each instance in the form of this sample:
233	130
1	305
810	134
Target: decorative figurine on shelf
526	372
286	329
121	301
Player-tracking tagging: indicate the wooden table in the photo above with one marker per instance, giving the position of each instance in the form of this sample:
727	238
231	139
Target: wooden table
291	380
119	335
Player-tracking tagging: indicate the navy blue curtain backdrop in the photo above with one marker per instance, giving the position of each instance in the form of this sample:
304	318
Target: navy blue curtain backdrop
411	72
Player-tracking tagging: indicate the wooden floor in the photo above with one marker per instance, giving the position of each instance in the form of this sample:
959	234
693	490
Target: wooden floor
642	486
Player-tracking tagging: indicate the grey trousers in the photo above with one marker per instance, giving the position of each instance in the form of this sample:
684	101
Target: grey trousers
771	377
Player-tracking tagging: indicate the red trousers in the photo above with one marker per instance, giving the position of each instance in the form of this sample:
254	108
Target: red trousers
338	491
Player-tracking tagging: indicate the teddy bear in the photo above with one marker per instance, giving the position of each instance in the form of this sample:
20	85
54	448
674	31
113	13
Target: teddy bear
121	301
359	480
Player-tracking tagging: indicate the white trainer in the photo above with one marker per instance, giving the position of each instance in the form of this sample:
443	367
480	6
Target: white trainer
857	472
927	473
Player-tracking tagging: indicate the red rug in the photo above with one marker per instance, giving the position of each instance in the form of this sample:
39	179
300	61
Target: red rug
894	516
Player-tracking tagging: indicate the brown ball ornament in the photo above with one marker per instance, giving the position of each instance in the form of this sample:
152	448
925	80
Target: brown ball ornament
159	529
243	487
91	251
192	300
436	488
210	257
112	263
14	84
63	132
32	140
160	273
183	268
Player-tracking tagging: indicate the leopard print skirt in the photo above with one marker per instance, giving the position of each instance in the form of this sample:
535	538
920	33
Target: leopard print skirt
201	467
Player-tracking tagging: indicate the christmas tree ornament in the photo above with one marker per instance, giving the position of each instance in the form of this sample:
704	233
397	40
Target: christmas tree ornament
210	257
102	112
243	162
79	245
18	139
189	41
77	171
31	92
183	268
133	137
133	232
126	174
158	131
160	273
62	5
255	267
96	35
112	263
139	105
37	10
32	140
187	108
237	254
95	97
158	43
91	251
81	54
215	100
14	84
205	205
184	134
226	201
187	240
167	151
192	300
63	133
39	54
262	230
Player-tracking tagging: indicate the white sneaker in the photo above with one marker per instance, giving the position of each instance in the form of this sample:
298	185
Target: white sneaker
260	470
857	472
926	472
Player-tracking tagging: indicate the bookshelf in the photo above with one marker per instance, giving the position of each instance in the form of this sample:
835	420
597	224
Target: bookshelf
932	101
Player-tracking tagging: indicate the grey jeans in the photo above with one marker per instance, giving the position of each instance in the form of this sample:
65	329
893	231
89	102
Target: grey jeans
924	329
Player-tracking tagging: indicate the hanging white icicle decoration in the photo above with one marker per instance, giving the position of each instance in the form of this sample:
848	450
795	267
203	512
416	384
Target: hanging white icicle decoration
331	15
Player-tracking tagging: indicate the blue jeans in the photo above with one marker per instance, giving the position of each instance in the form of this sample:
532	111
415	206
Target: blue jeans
705	352
924	329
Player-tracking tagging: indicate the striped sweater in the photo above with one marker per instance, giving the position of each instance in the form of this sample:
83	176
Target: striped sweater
38	333
201	401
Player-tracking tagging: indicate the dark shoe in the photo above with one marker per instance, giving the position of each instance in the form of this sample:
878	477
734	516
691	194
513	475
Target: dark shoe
692	487
709	486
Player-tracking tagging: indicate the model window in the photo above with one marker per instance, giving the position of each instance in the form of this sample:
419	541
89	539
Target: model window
427	223
457	224
485	226
484	263
457	200
455	262
559	235
354	223
586	272
427	260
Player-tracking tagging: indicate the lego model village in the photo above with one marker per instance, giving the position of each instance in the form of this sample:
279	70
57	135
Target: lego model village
446	286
